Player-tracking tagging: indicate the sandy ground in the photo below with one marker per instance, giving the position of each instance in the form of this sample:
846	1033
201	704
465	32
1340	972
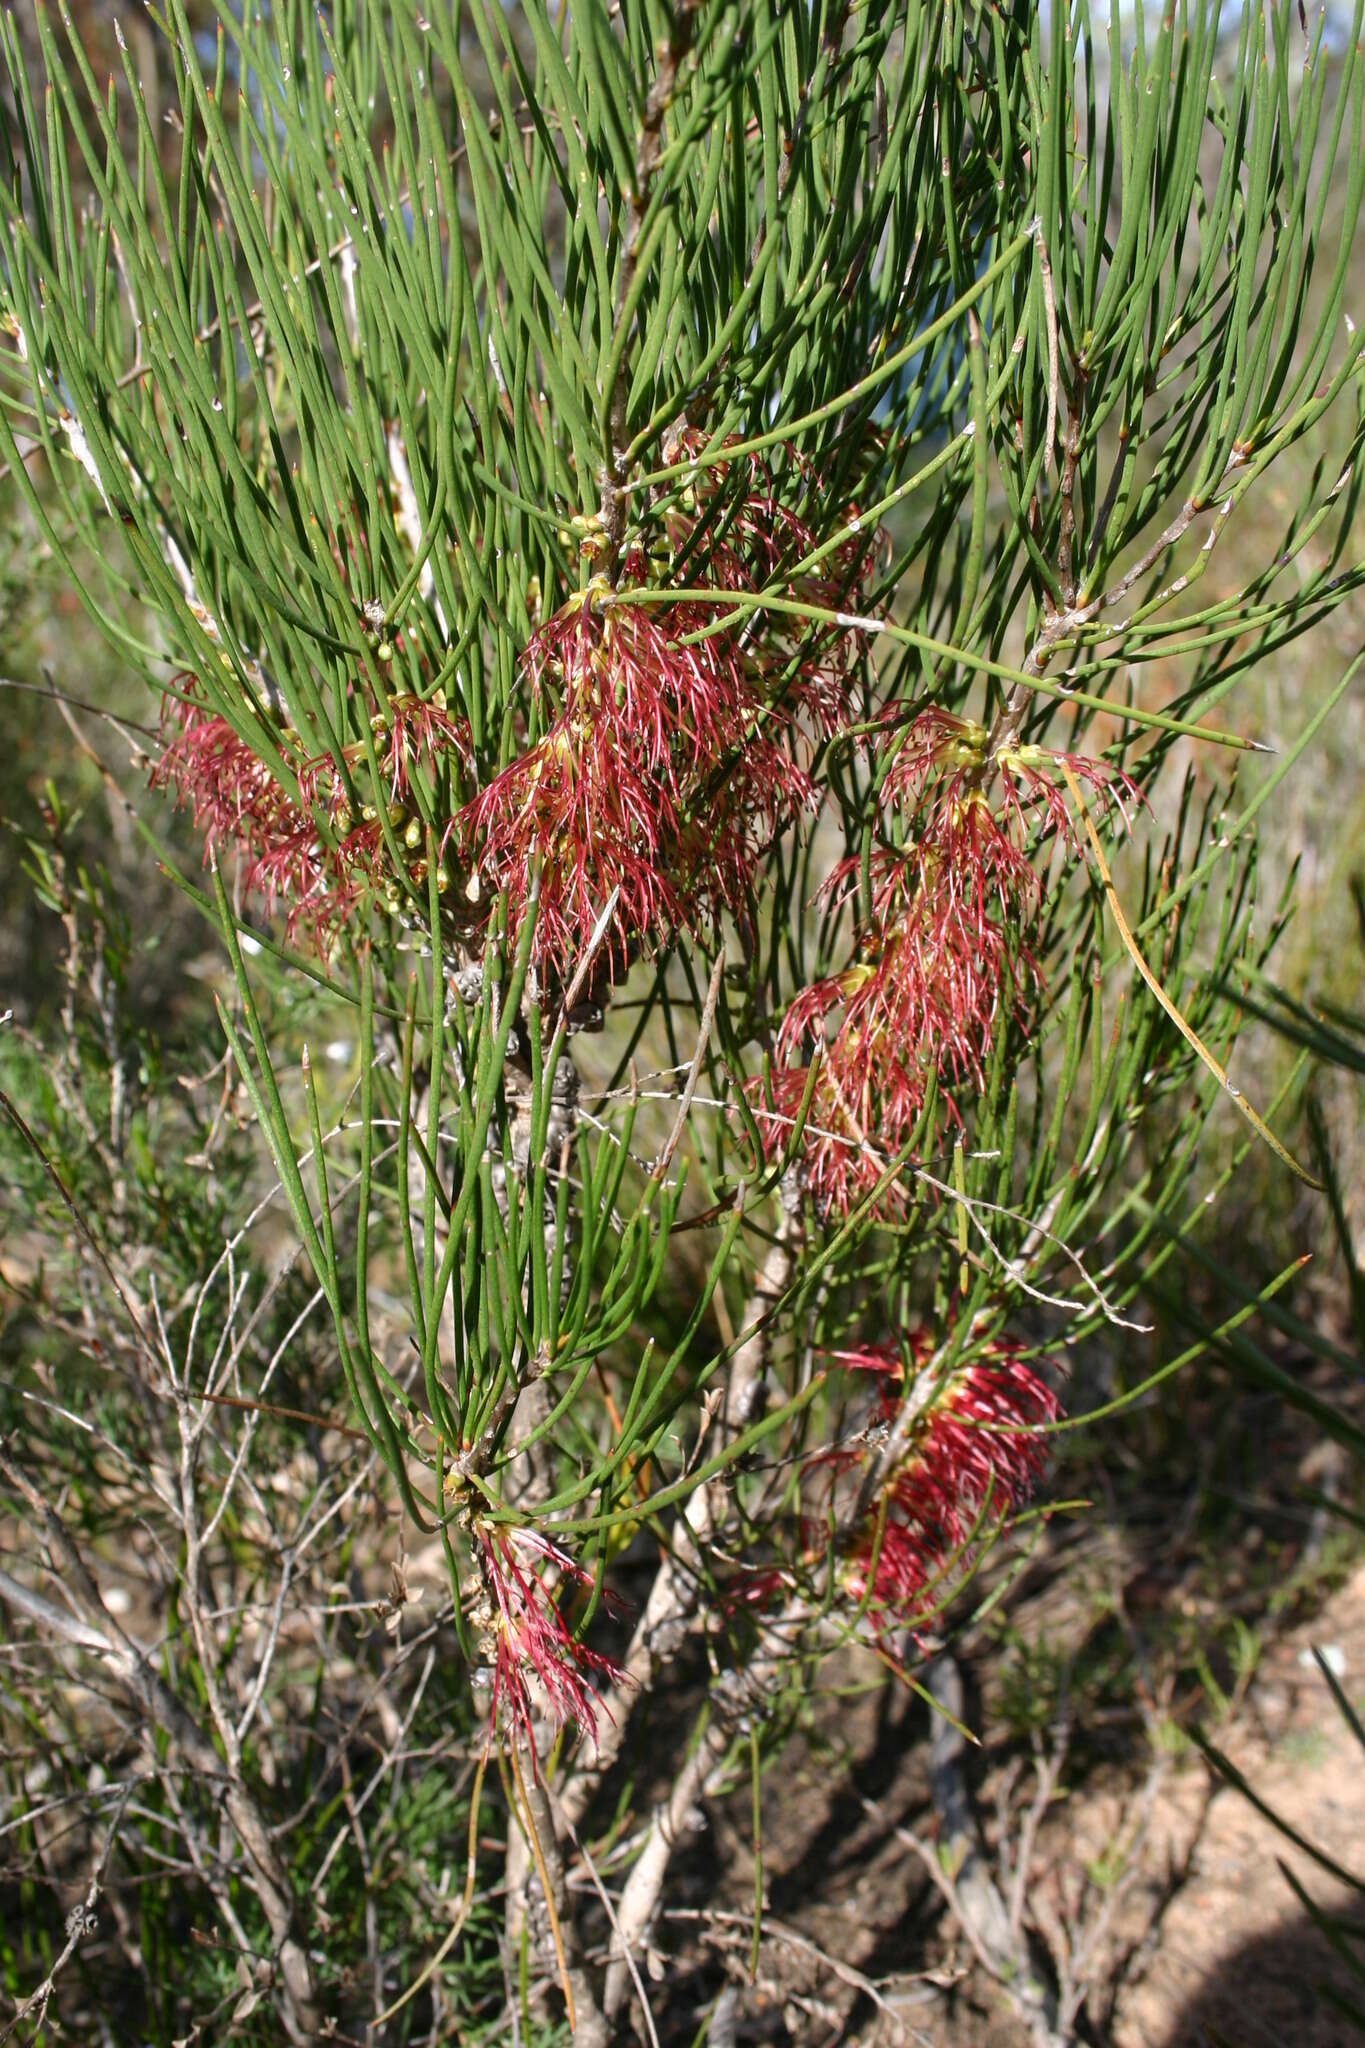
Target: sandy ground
1198	1943
1234	1956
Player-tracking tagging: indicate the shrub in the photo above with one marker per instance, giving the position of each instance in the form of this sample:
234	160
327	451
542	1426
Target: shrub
681	548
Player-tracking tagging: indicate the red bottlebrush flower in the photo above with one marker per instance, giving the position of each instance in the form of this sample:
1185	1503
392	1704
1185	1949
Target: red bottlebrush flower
538	1667
678	743
287	862
867	1093
412	730
971	1450
418	730
212	770
973	1456
937	962
935	741
662	779
232	794
753	1588
944	948
593	825
1029	779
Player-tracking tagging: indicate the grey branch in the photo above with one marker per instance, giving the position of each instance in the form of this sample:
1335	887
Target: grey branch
676	1592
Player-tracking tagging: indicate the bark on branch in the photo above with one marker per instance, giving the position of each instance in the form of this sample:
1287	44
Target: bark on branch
676	1593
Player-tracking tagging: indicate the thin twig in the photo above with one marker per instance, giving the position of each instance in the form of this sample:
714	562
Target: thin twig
136	1673
1015	1267
73	1209
80	1921
791	1938
1053	364
676	1593
612	1921
586	2021
708	1018
584	967
1186	1030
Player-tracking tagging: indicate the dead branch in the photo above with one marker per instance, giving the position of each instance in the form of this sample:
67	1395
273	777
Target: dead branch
80	1922
128	1662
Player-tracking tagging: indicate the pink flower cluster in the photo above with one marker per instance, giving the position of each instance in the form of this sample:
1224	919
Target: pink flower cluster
940	951
665	772
539	1669
676	741
972	1457
238	801
969	1451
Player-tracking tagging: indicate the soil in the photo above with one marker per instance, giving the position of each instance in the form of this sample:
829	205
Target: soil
1162	1882
1234	1956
